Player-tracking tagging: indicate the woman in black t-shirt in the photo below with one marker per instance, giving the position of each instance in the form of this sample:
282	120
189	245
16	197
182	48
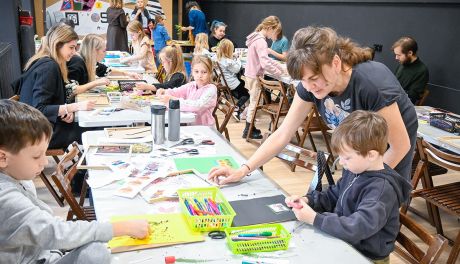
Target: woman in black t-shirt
338	77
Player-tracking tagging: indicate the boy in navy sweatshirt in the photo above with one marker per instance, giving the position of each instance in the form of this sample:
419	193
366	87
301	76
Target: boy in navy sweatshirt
363	208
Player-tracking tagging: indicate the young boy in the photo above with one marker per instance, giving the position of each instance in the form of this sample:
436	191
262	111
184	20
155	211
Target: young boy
363	208
29	233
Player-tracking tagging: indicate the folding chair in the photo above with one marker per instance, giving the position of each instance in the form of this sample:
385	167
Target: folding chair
65	171
221	83
227	108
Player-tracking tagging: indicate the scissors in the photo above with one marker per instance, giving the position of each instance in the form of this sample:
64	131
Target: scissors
190	151
187	141
217	234
206	142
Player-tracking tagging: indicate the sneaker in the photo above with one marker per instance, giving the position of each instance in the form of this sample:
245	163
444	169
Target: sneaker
236	116
256	134
243	114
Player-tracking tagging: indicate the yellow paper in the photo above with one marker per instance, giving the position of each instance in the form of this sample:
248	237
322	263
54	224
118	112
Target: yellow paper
165	228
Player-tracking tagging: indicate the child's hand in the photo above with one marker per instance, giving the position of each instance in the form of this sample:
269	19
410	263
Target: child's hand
270	51
124	60
294	201
165	98
145	87
139	229
133	75
304	212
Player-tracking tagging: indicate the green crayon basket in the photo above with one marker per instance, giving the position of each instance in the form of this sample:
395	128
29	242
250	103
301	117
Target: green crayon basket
207	222
280	242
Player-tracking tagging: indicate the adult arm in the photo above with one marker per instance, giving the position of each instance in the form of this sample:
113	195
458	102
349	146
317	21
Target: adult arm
398	139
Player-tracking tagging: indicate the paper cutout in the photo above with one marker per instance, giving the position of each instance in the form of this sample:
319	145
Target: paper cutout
205	164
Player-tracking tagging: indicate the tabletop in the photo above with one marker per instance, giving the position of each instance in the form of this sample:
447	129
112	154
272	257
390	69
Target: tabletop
306	243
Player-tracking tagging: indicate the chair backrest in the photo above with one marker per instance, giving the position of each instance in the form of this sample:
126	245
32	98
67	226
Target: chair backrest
221	82
65	171
161	74
274	87
424	96
226	108
409	250
300	156
14	98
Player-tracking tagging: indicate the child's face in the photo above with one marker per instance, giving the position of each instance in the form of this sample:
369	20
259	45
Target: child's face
201	75
27	163
166	62
151	24
351	160
134	35
100	54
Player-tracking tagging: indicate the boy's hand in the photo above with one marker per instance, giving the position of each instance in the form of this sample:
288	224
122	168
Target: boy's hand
305	213
161	91
294	201
139	229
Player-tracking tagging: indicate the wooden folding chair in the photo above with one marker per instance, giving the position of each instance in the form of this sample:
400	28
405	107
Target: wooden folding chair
313	123
408	249
227	108
445	197
161	74
14	98
221	83
422	99
274	109
65	171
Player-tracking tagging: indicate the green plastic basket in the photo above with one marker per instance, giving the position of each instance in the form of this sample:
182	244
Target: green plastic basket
207	222
265	245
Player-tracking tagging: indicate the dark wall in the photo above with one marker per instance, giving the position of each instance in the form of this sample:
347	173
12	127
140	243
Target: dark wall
433	25
9	33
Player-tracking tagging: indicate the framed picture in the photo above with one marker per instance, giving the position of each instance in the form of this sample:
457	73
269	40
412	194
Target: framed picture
72	16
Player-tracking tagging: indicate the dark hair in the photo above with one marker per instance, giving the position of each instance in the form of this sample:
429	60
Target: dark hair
215	24
21	125
362	131
313	47
407	44
191	4
280	34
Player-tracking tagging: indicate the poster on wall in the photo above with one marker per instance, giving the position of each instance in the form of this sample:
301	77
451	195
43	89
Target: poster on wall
90	16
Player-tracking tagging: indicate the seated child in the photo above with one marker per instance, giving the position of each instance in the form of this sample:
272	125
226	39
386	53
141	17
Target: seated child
201	45
198	96
29	232
363	208
230	68
173	62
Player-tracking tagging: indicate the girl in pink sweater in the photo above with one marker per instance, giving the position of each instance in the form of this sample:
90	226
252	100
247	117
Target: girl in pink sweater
199	96
257	63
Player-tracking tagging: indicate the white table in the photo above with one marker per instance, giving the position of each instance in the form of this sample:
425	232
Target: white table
307	245
125	117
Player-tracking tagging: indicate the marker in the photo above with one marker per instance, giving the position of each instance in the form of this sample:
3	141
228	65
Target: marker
256	234
188	207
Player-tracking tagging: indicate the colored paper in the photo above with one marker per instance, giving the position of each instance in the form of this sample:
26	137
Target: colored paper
205	164
165	229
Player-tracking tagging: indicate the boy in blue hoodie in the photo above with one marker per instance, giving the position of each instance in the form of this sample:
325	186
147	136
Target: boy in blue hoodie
363	208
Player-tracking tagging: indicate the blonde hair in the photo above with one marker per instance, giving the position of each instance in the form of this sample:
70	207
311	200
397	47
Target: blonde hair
136	27
271	22
174	55
116	3
206	61
313	47
225	49
201	42
362	131
56	37
90	44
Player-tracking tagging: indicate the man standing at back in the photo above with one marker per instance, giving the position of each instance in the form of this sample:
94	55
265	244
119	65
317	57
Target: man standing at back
411	71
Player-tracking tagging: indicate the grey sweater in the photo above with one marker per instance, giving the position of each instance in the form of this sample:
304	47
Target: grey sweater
28	229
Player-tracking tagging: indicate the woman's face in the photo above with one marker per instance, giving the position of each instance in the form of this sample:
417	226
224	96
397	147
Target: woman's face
321	84
140	3
68	50
100	54
219	32
166	63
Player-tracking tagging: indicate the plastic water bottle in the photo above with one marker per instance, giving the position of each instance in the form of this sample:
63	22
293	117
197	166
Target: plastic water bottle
174	120
158	123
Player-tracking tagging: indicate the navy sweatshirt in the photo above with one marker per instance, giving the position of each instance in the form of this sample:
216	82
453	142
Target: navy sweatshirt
363	210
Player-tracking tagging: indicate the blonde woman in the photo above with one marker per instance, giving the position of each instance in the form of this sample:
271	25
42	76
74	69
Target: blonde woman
201	45
85	66
142	54
258	62
42	85
230	67
117	37
173	63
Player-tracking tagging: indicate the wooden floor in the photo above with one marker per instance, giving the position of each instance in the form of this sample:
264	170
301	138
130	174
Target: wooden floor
295	183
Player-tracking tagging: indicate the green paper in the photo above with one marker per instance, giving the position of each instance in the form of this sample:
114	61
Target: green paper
165	228
205	164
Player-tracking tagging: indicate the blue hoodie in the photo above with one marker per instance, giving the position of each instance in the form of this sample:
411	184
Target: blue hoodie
363	210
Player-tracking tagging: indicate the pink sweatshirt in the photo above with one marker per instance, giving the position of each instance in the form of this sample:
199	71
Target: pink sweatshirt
258	61
201	101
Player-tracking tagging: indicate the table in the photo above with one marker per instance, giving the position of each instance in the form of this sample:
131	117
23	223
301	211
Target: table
432	134
306	243
112	59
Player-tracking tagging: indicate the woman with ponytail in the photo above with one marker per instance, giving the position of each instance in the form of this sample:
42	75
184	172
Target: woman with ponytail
339	77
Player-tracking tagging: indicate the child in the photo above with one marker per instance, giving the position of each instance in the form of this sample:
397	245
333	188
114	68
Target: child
173	63
201	45
199	96
196	18
29	232
42	85
363	208
230	68
85	66
279	48
160	36
142	49
257	63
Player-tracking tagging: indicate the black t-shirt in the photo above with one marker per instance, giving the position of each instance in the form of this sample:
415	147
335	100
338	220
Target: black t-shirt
77	71
372	87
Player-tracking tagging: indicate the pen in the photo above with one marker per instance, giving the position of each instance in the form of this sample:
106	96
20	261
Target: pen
256	234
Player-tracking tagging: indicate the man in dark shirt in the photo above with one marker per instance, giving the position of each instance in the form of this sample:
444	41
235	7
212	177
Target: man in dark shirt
411	71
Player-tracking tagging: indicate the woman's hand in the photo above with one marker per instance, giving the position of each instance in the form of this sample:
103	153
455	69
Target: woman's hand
145	87
228	175
85	105
68	118
102	81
